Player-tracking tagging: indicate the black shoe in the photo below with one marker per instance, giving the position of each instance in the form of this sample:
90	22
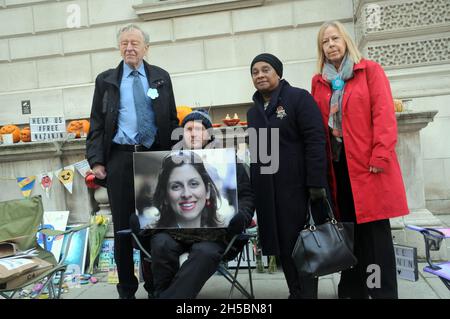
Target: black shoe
127	297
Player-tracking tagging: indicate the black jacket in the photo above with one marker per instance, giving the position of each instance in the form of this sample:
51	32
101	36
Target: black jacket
105	106
281	197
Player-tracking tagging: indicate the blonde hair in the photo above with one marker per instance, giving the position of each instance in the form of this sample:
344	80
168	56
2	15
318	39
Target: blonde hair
352	49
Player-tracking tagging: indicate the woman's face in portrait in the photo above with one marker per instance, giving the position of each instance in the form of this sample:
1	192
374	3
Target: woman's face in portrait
333	46
264	77
195	135
187	192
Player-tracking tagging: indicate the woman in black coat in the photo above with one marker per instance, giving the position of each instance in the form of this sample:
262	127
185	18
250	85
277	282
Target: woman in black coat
288	127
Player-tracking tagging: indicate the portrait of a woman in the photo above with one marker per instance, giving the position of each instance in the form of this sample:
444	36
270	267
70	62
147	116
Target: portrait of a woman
185	195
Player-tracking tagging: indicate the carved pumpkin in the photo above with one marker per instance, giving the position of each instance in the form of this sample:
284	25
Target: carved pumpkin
25	134
182	111
11	129
79	127
398	105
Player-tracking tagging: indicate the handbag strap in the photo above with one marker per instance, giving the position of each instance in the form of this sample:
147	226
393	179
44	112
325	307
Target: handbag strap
310	218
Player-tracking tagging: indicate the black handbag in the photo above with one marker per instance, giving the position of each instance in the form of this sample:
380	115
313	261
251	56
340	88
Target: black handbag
324	249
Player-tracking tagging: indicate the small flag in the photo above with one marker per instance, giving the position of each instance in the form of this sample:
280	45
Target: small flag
26	184
65	176
45	180
83	167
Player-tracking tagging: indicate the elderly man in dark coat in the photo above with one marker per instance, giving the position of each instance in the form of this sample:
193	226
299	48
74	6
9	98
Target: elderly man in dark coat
295	142
133	110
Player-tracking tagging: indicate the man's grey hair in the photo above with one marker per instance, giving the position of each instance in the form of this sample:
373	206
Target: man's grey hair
130	27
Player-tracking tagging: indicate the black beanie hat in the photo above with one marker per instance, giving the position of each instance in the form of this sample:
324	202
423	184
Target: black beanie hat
276	64
198	115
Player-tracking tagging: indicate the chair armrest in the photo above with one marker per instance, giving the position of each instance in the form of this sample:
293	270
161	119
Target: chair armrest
433	238
124	232
53	232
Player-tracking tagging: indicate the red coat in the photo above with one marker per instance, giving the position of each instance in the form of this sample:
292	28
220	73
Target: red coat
369	129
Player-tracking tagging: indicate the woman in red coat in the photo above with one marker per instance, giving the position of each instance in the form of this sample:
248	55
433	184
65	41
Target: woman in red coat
355	100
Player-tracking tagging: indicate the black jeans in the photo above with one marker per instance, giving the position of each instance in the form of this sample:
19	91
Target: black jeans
170	281
372	246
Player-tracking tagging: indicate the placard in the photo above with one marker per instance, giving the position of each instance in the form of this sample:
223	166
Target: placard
233	263
406	260
44	128
186	188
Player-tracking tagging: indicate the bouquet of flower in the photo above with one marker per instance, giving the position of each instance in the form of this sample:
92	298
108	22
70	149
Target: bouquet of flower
272	264
97	231
272	267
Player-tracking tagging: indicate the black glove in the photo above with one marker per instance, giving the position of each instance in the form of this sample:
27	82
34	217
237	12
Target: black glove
237	224
100	182
316	194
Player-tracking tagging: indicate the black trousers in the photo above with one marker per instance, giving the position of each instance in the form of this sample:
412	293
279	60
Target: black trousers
372	246
120	184
170	281
299	287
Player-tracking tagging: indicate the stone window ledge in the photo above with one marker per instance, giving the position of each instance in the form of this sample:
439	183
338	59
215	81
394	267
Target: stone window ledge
177	8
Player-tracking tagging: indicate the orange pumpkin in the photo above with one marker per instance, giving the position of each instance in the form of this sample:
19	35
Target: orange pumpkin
11	129
79	127
25	134
398	105
182	111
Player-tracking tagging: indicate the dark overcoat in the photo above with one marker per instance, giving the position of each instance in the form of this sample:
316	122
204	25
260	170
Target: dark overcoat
105	111
281	195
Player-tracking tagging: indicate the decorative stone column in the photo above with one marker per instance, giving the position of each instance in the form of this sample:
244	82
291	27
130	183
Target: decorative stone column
410	158
101	196
411	40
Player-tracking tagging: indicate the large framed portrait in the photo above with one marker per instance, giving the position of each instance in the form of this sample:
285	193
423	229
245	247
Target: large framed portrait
185	188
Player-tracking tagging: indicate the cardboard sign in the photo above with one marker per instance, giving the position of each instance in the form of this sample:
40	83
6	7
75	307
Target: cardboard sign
13	267
46	128
40	266
406	259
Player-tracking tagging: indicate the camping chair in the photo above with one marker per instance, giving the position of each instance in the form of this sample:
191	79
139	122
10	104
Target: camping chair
433	239
224	270
20	221
141	240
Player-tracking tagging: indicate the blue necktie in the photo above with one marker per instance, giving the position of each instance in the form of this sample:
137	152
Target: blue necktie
145	116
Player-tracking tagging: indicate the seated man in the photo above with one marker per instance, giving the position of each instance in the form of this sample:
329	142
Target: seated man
205	246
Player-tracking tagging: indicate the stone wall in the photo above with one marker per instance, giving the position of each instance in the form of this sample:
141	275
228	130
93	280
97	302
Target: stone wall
28	159
208	54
